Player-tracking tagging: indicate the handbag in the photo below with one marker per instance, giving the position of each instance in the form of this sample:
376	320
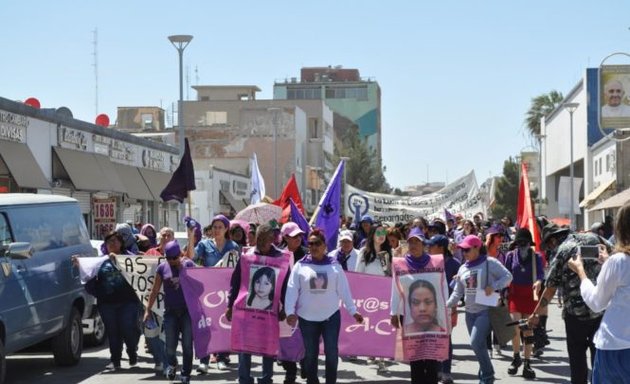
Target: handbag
500	316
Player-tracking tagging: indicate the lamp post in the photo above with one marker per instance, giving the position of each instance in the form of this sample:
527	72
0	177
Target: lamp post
180	42
571	107
276	111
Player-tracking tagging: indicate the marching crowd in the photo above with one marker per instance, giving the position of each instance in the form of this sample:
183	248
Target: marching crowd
478	257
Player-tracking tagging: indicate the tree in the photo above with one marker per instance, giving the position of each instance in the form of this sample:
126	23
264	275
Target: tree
506	193
364	169
541	106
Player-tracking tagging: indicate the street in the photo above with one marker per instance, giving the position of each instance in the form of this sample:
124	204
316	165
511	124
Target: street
34	368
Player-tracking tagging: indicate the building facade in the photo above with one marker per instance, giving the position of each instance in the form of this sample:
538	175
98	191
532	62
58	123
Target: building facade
114	176
355	101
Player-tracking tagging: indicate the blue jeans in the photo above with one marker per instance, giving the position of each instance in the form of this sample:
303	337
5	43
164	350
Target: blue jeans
478	325
121	324
311	332
611	366
157	349
176	322
245	365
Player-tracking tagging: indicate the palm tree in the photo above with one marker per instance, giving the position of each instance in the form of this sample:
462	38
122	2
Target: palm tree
541	106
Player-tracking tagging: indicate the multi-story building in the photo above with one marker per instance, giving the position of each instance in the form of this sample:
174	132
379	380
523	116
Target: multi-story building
355	101
226	125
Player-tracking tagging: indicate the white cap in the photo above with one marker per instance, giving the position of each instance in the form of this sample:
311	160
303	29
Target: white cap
345	235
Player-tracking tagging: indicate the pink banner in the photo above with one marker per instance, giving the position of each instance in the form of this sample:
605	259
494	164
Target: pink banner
375	337
255	313
422	294
206	293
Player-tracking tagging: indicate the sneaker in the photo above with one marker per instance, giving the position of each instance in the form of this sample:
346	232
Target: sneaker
202	369
371	360
381	368
516	363
497	349
112	367
446	379
170	373
184	379
213	359
221	366
528	372
158	367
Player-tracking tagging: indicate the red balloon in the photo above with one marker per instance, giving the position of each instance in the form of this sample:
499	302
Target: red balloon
33	102
102	120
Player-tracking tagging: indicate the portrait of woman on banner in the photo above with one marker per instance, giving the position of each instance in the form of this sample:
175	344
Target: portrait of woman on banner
424	305
262	287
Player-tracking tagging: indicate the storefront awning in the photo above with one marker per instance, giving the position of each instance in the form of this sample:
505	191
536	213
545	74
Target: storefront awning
83	170
22	165
156	181
134	183
591	197
237	204
615	201
110	172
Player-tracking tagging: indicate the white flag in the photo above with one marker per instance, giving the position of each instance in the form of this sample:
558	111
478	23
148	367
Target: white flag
257	183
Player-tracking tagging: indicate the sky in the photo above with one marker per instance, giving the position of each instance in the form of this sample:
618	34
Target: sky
456	77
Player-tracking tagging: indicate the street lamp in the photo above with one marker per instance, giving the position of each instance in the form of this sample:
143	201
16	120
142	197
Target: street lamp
571	107
180	42
276	111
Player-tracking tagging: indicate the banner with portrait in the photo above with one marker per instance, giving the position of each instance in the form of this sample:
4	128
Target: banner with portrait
206	292
425	323
255	313
614	108
461	196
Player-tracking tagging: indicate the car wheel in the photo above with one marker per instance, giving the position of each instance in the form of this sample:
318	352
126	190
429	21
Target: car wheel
98	336
3	362
68	345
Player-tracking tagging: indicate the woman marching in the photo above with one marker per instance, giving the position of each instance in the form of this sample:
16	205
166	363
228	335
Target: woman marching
480	274
527	269
418	300
316	287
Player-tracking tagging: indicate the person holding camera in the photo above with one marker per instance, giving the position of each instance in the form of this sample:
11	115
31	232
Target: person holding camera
612	339
526	267
580	321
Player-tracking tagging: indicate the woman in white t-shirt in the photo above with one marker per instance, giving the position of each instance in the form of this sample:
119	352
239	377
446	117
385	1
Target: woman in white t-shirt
375	258
612	294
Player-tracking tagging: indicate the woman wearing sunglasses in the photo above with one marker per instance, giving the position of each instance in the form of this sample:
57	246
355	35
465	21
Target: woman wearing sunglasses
316	287
375	258
479	275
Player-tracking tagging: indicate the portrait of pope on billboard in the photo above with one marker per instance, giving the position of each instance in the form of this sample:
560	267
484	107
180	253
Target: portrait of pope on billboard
614	96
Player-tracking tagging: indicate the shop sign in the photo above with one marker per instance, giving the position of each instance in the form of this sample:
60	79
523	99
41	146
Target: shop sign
13	127
72	138
104	214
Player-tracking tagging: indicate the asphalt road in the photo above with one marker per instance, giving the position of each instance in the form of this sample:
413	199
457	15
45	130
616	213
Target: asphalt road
39	368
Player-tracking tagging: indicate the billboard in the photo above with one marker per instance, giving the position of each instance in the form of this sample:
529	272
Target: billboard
614	88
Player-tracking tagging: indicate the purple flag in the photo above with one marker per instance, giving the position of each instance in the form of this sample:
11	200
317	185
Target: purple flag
183	179
329	208
300	220
448	216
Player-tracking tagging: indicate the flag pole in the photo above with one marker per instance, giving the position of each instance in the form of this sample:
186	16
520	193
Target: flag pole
189	205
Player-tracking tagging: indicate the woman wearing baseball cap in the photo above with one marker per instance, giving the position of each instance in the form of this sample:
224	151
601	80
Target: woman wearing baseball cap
479	274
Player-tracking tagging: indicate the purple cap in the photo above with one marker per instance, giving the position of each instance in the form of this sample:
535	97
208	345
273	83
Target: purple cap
470	241
417	233
172	250
222	219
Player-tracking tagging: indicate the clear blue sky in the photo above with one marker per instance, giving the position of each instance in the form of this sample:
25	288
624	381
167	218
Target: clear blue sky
456	76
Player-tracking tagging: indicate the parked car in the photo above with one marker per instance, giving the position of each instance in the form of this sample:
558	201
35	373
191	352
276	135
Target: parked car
41	296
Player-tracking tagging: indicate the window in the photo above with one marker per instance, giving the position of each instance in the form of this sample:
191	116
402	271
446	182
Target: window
304	93
607	163
216	117
595	167
350	92
5	232
600	165
313	128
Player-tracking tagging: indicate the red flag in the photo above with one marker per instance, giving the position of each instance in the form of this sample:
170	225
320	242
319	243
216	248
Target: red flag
289	192
525	212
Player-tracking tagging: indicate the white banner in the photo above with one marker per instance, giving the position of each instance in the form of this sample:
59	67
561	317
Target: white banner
461	196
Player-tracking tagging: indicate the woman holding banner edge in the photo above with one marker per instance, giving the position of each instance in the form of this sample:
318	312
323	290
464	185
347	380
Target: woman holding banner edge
317	306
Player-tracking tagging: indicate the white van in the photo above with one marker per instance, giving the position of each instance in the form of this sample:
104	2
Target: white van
41	296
